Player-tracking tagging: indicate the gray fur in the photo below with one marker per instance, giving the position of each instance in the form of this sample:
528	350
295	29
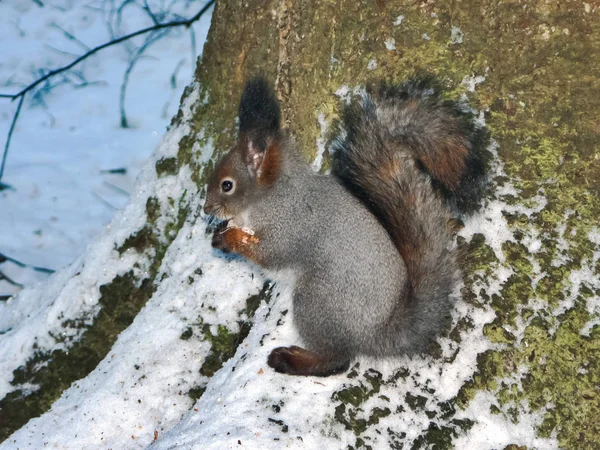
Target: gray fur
349	274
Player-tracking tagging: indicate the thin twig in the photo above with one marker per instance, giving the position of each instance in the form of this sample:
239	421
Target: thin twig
165	109
120	171
62	52
175	72
146	8
9	280
119	15
135	58
10	132
117	189
90	83
106	203
70	36
109	19
4	258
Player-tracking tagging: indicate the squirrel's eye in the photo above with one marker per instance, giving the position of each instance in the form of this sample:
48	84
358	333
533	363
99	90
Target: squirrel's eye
227	185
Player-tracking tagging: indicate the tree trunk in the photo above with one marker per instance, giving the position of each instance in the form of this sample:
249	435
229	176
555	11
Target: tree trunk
156	326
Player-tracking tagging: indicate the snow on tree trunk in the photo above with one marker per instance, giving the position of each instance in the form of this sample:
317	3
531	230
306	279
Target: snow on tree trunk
153	337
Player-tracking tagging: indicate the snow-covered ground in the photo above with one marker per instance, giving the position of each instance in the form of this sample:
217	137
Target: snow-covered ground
68	136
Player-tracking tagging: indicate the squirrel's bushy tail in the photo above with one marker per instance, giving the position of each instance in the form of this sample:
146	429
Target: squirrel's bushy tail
411	158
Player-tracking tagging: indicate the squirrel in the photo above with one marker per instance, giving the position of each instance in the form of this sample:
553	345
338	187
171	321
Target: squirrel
369	244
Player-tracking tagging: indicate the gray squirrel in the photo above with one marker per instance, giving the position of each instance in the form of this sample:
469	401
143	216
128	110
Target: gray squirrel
370	244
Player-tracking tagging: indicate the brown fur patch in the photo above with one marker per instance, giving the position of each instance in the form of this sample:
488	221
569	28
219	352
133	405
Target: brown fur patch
390	169
447	163
412	253
271	166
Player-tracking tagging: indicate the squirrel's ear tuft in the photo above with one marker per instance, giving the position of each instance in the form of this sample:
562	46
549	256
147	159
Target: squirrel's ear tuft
259	113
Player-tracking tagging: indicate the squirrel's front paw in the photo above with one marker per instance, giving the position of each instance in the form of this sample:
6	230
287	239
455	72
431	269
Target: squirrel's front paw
241	241
218	240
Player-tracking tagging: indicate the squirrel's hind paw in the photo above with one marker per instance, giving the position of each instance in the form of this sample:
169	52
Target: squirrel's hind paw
298	361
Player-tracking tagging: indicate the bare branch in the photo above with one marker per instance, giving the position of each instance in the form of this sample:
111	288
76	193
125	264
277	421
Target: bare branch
4	258
10	132
120	171
119	16
135	58
117	189
146	8
10	280
64	52
160	26
156	27
175	72
165	108
104	202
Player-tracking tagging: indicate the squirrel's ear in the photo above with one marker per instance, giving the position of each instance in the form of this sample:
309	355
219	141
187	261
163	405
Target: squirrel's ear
264	165
260	130
255	157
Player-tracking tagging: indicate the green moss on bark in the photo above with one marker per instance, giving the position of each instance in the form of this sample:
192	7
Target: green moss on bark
167	166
